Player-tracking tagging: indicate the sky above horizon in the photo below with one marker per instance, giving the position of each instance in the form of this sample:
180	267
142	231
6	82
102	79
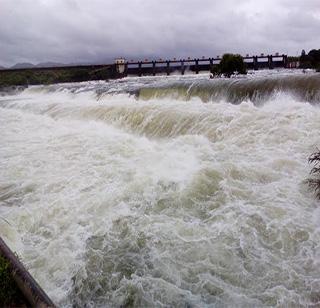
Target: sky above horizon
97	31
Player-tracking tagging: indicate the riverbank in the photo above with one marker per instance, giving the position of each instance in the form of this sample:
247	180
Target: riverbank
25	77
10	295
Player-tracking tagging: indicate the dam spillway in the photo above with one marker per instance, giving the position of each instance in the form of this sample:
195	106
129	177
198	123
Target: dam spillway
172	191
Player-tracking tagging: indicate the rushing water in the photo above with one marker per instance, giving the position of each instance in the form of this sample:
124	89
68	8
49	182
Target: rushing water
165	191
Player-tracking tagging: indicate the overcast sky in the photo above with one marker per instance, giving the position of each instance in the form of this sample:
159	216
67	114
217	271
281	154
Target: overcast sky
99	30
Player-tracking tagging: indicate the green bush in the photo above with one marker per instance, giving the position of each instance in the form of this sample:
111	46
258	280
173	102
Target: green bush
230	64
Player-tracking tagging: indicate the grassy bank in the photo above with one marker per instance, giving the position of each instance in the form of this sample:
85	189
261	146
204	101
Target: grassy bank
10	295
23	77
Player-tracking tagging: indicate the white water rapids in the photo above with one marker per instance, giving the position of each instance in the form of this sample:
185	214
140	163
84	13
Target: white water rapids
112	199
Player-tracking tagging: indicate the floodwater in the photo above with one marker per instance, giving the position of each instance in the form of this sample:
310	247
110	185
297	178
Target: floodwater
175	191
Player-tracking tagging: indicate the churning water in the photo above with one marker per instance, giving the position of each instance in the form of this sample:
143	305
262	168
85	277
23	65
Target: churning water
165	191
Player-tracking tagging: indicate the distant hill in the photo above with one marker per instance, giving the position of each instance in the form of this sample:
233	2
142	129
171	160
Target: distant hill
50	64
22	65
2	67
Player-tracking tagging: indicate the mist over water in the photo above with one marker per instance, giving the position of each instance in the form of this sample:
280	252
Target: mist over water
165	191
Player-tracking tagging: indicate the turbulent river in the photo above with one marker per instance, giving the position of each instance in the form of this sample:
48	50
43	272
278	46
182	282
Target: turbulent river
175	191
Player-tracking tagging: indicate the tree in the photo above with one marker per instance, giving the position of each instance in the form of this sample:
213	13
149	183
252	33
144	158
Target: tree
310	60
230	64
315	57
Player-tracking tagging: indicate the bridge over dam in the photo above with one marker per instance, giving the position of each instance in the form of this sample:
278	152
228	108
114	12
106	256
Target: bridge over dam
167	67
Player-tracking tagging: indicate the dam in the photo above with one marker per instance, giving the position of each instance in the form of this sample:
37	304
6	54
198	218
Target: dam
196	65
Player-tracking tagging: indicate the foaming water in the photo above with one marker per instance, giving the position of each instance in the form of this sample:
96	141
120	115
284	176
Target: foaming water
114	197
257	87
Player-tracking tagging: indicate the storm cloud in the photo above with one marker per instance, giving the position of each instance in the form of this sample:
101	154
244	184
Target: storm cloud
95	31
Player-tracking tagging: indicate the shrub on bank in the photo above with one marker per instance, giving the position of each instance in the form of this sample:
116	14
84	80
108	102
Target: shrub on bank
314	182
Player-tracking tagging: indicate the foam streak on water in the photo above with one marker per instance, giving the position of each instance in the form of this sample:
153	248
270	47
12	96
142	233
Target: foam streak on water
147	192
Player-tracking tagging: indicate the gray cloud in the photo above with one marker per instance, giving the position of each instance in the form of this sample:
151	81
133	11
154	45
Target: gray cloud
99	30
